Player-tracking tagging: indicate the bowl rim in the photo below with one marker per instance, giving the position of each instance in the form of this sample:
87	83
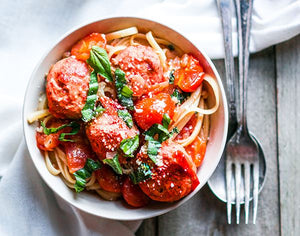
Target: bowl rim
160	211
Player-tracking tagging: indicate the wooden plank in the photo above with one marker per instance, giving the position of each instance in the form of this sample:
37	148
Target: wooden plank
288	98
204	214
148	228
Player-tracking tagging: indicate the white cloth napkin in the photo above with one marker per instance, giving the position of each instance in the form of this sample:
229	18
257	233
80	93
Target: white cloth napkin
29	27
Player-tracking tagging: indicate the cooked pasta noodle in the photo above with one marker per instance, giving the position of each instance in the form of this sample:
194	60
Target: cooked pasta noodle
156	47
121	33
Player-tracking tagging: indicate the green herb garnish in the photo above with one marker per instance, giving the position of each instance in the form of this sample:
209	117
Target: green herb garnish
53	130
153	148
157	134
130	145
99	61
126	117
171	77
86	172
166	120
180	96
88	111
142	173
99	109
124	93
114	164
75	129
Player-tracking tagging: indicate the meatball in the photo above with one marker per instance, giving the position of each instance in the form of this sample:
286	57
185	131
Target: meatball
173	176
106	131
67	88
141	66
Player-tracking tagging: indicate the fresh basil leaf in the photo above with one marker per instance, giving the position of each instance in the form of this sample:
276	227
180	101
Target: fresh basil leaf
142	173
157	134
130	145
166	120
153	148
84	173
124	93
80	183
99	61
48	131
157	129
75	129
99	109
120	80
92	165
181	96
114	164
126	117
88	110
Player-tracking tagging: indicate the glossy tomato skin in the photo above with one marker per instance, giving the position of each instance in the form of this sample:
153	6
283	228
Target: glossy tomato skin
133	195
77	153
108	179
173	178
190	74
46	142
49	142
81	50
106	131
197	150
150	110
67	88
142	68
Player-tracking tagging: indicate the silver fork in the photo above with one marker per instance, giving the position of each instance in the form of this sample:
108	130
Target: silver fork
242	150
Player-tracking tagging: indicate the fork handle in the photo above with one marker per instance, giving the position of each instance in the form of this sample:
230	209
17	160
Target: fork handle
225	10
244	13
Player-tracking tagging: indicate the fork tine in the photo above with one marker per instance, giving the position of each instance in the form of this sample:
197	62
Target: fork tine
247	190
237	190
228	188
255	189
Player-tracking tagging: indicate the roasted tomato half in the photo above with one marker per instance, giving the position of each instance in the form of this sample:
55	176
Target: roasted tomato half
133	195
77	154
108	179
142	68
67	88
174	177
150	110
81	50
49	142
197	150
190	75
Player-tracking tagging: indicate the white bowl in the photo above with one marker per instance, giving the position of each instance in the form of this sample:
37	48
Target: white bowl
92	203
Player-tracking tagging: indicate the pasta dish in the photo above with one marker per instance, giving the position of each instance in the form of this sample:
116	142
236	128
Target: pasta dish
126	115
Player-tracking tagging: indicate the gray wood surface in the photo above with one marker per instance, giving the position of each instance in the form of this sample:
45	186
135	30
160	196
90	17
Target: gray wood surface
204	214
288	99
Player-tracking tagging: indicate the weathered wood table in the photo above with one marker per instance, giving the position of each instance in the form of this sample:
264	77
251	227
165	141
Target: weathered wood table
273	116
